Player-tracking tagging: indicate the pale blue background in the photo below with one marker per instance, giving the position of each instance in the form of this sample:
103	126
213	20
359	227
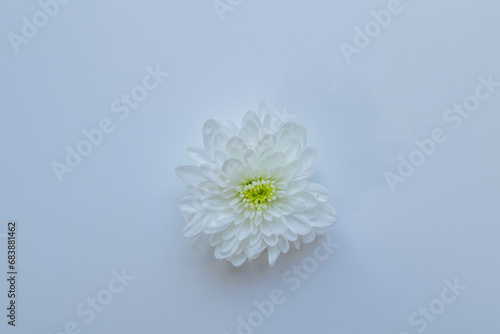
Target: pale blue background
118	209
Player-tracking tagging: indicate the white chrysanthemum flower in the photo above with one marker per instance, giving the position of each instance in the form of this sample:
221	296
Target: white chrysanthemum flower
250	189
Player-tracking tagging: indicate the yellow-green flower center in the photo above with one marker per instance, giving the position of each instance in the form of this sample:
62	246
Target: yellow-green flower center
257	193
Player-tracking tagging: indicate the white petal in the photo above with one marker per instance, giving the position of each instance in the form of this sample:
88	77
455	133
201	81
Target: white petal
218	254
201	243
215	240
229	192
301	202
279	225
243	231
267	122
263	110
265	228
255	239
264	154
301	135
210	173
308	158
274	160
236	142
293	146
241	247
267	216
274	210
220	157
269	141
227	246
290	171
250	157
238	259
215	135
195	226
231	167
303	175
239	208
209	188
216	224
250	128
229	232
199	155
326	216
253	251
258	219
318	191
290	235
285	209
234	202
297	226
233	128
296	187
284	137
190	174
239	218
251	116
308	238
283	245
190	205
271	240
320	231
215	202
273	253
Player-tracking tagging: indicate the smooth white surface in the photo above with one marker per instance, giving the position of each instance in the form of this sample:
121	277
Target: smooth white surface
118	209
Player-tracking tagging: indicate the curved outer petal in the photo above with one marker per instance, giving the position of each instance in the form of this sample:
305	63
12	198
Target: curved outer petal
273	253
190	174
318	191
308	158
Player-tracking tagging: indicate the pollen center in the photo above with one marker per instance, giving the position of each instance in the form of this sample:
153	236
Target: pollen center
257	193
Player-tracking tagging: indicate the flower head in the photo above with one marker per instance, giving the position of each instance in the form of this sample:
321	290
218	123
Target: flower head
250	189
